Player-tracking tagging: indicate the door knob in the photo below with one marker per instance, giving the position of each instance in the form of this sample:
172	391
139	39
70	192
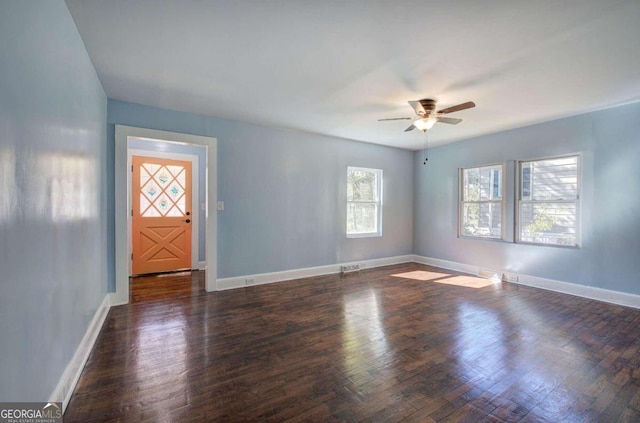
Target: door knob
188	213
188	220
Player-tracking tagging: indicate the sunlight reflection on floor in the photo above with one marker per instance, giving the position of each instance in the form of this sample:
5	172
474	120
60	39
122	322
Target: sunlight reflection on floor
459	280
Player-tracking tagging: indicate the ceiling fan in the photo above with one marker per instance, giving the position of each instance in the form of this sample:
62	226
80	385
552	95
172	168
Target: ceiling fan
427	115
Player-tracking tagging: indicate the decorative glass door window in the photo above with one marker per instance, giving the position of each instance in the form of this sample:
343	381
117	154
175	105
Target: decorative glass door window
162	191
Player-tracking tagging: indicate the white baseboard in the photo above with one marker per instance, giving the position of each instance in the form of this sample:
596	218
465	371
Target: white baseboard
286	275
445	264
114	300
202	265
66	385
591	292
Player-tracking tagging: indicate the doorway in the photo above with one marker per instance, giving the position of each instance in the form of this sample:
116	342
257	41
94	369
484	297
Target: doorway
161	219
124	138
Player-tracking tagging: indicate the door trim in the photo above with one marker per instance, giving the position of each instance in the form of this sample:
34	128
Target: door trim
122	195
195	199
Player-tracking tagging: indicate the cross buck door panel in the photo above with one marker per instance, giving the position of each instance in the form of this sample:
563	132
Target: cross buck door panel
161	215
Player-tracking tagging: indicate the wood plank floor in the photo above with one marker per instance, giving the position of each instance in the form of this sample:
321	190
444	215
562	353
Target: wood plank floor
399	343
166	286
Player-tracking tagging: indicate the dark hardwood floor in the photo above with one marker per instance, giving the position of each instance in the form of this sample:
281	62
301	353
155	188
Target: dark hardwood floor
398	343
166	286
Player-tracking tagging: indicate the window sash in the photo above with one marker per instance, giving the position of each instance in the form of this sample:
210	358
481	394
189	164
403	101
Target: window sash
487	230
363	201
375	215
489	187
376	202
556	228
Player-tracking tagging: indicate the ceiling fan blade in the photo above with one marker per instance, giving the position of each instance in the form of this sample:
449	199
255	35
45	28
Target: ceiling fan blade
407	118
467	105
411	128
451	121
417	107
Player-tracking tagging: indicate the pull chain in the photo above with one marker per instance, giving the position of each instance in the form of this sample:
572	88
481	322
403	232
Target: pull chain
426	142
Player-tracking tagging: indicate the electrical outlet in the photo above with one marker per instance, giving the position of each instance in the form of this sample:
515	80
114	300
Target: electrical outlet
250	281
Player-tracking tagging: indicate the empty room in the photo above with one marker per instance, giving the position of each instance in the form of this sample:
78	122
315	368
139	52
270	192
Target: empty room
288	210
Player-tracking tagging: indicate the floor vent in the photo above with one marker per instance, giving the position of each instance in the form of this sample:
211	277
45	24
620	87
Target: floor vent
348	268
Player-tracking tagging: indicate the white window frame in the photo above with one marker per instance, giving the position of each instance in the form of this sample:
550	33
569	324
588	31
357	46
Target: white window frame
378	203
520	200
502	201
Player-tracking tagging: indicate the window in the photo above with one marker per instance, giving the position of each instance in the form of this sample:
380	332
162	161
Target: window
364	202
481	201
548	201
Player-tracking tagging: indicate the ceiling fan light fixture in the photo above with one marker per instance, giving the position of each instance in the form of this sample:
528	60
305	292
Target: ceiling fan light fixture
425	124
428	116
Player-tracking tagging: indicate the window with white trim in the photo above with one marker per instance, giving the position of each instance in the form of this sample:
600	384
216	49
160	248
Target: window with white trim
364	202
481	211
548	201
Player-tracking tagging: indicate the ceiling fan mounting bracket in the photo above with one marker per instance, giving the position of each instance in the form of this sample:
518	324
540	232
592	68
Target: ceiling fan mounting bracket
428	105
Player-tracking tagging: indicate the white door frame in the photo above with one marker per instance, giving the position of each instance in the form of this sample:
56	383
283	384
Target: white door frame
122	194
194	207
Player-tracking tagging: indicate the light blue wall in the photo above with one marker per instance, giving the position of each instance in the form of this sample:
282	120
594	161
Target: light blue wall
52	196
195	150
609	142
284	192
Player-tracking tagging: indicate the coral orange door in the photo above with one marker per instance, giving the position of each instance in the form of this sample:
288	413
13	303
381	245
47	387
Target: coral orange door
161	215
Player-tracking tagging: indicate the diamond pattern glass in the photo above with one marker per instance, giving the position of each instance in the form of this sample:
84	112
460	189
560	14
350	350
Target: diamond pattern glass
144	177
181	178
175	190
175	212
151	190
162	192
163	177
151	168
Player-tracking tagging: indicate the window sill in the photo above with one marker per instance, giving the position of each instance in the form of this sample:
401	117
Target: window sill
368	235
480	238
537	244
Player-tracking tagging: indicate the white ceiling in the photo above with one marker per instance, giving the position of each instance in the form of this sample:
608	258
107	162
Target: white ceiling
336	66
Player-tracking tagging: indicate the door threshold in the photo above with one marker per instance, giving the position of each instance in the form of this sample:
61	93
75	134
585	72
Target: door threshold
166	272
